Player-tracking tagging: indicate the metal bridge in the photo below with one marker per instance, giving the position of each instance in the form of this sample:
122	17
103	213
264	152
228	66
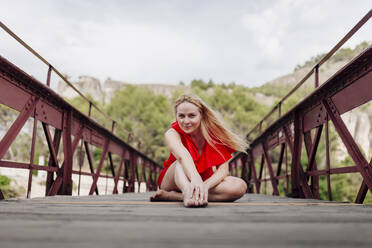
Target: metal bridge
302	220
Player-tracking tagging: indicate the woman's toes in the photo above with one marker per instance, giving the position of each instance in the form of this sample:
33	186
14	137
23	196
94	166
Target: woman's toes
157	196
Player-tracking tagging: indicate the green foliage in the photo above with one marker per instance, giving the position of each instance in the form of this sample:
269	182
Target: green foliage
7	190
146	115
341	55
83	106
4	181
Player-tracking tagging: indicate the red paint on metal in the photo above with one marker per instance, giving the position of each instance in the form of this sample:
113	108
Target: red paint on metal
13	131
271	171
328	162
50	176
356	94
32	153
353	149
115	190
99	168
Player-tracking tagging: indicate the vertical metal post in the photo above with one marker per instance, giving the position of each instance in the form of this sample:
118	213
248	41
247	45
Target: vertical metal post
328	161
67	150
48	77
81	163
32	156
316	76
260	128
90	109
286	169
113	126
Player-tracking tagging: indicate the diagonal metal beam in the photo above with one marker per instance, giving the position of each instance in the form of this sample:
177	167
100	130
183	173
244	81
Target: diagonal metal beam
115	190
280	162
17	125
50	175
52	150
271	171
253	169
297	173
90	161
362	191
99	168
311	149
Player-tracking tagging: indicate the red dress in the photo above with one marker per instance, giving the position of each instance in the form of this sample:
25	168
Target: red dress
204	161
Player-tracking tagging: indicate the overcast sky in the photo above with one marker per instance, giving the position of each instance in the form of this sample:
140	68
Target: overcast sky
164	42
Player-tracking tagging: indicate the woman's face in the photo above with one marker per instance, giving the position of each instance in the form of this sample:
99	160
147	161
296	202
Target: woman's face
188	117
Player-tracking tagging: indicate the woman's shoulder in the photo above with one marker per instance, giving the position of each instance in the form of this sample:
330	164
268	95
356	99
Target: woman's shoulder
171	133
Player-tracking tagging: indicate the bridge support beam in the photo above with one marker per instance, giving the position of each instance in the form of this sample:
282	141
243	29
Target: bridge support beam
362	164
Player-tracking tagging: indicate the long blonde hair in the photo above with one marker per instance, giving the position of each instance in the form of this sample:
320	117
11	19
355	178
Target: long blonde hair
211	125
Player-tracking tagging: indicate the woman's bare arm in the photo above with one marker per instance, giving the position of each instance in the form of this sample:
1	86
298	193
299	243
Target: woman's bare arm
218	176
175	146
179	151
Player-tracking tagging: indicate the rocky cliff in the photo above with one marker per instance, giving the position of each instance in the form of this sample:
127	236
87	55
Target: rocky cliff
104	92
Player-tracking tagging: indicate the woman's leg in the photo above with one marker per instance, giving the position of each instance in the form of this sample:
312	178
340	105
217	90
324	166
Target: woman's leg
173	182
229	189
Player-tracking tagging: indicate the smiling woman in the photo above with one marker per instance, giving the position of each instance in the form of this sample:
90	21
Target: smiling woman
198	141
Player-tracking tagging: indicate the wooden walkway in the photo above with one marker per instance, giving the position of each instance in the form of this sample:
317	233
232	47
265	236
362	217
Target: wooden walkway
130	220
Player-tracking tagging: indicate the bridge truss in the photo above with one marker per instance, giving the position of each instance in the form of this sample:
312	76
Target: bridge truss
67	132
302	127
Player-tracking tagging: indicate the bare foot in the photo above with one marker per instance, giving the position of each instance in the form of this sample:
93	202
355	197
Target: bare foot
162	195
188	199
204	203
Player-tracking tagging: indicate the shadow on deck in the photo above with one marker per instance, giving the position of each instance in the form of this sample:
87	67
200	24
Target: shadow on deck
130	220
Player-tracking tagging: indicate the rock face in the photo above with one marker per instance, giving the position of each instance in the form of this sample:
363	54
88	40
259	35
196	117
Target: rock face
92	86
325	72
110	87
358	122
86	85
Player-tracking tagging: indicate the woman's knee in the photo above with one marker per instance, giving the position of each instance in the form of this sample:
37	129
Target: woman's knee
238	187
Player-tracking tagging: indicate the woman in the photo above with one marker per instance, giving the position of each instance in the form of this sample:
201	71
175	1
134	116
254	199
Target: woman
198	142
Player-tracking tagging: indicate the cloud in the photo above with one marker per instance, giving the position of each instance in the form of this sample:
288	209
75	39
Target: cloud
248	42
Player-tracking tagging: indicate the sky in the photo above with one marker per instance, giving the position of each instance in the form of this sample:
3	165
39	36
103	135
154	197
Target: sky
164	42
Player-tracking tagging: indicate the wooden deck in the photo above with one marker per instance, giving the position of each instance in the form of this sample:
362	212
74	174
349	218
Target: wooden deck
130	220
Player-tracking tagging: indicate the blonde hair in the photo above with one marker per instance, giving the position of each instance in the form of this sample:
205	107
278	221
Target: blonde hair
212	127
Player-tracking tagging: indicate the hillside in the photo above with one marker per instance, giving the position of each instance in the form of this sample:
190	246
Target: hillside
240	118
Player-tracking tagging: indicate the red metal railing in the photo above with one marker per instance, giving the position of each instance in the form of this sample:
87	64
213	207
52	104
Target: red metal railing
32	99
347	89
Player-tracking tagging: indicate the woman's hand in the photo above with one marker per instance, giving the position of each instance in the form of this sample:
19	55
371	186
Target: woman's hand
200	191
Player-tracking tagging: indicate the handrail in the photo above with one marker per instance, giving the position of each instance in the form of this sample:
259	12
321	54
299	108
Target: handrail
24	44
314	69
